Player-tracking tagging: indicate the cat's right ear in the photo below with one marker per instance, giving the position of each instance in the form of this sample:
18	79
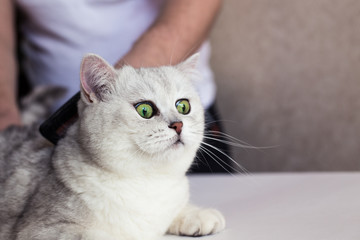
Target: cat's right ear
97	78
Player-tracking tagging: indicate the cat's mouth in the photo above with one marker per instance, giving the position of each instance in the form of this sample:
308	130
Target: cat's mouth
177	142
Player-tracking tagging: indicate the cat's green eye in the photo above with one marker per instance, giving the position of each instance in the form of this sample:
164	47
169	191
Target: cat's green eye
183	106
145	110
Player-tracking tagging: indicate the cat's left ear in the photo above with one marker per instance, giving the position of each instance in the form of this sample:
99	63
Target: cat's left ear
97	78
190	64
189	68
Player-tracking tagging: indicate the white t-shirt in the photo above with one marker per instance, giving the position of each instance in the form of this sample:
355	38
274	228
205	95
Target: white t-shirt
58	33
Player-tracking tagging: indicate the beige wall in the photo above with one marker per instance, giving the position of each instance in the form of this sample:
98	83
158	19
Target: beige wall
288	74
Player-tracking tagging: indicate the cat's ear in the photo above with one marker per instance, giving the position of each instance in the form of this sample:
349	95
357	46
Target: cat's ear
97	78
190	63
189	66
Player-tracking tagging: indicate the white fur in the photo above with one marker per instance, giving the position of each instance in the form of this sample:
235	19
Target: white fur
193	221
128	170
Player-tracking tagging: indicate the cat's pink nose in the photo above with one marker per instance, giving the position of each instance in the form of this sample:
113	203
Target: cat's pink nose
177	126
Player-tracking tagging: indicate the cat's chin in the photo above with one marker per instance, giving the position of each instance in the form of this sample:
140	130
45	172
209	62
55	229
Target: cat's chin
177	146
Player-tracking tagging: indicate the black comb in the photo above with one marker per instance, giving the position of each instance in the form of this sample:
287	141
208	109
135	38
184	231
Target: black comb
54	128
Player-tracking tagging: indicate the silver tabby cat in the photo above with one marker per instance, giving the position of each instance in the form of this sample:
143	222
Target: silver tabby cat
119	173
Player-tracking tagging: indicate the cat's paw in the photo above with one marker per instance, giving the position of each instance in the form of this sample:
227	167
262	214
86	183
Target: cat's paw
198	222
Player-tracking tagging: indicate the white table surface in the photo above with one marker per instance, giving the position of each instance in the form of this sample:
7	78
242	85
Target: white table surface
293	206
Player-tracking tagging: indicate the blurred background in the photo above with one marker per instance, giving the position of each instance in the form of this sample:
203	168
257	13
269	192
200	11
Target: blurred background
288	75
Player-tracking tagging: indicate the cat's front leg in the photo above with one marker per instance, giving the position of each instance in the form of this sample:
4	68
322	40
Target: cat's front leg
195	221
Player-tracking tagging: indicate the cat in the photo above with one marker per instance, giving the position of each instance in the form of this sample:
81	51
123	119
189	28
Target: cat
120	171
36	106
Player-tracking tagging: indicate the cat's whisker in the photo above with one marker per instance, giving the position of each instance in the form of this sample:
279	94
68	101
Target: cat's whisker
224	121
203	160
236	143
215	133
231	143
226	155
219	161
228	136
228	139
202	149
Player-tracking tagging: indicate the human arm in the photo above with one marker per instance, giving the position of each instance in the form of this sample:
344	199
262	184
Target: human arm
9	113
178	32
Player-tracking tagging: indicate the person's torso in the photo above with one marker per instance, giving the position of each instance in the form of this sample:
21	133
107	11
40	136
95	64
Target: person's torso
57	34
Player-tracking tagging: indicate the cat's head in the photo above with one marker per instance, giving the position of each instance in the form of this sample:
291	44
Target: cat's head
147	117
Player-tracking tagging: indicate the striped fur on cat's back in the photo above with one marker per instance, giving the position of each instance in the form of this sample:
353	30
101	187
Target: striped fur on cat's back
24	156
